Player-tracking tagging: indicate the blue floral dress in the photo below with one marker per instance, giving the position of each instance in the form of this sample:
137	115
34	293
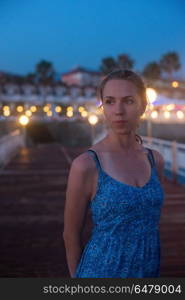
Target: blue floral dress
125	240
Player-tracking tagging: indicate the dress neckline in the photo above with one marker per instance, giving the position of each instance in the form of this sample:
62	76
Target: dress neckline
126	184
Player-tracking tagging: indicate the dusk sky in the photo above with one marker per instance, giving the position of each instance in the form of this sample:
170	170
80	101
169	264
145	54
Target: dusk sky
81	32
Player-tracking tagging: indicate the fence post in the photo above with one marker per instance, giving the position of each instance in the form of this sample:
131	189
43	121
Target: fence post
149	131
174	161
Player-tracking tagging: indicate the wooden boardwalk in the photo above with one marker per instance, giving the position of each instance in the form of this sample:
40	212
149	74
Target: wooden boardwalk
32	193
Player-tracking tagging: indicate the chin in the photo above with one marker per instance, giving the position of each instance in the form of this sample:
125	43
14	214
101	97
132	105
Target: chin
121	130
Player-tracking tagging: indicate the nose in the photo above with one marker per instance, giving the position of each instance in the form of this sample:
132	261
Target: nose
120	109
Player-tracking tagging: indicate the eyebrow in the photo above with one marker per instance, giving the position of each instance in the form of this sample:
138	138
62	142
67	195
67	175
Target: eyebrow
111	97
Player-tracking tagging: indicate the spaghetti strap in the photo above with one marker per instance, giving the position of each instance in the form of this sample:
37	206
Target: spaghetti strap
95	157
151	157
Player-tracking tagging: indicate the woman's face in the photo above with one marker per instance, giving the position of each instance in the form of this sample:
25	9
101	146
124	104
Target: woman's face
121	102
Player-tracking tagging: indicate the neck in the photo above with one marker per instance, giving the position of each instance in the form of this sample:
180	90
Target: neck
126	142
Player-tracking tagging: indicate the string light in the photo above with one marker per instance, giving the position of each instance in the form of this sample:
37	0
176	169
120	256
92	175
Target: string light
33	108
28	113
49	113
175	84
81	108
84	114
167	114
151	95
180	114
93	119
23	120
20	108
154	114
58	109
69	113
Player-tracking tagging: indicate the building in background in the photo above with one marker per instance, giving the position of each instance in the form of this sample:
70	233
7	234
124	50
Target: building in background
81	77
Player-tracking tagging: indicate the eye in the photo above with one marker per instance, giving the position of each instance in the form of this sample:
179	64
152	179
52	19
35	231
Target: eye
108	101
130	100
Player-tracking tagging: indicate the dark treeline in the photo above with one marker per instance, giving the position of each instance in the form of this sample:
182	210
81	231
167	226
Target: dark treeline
45	72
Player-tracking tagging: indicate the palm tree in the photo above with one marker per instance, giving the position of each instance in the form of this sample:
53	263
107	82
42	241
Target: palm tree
170	62
45	72
125	62
107	65
152	71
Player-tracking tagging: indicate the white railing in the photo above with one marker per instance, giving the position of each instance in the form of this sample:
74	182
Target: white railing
174	156
9	145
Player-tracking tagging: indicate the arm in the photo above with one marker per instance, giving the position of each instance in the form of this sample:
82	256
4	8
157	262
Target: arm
78	194
159	164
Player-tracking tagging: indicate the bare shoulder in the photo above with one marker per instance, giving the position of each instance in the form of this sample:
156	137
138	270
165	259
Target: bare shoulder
83	162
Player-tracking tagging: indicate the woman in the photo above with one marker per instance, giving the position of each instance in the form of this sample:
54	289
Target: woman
120	180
